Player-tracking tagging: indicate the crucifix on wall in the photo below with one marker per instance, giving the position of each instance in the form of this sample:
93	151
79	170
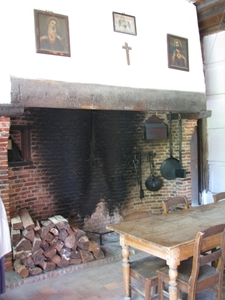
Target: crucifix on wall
127	48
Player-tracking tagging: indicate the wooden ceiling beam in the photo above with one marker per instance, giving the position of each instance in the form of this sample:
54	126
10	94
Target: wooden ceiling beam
207	4
211	22
211	12
211	16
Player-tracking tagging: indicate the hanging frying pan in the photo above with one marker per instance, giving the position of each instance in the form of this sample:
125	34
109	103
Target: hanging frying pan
169	165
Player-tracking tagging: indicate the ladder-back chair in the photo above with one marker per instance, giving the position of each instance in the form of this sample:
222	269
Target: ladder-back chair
218	197
175	204
198	273
143	272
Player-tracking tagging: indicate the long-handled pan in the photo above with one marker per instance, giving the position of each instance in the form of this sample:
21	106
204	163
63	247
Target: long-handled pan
169	165
142	194
181	173
153	183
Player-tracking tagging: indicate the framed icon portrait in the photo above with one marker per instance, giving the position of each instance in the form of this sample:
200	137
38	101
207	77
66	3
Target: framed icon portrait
52	33
177	53
124	23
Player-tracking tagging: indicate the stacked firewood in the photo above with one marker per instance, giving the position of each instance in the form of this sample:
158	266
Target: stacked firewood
45	245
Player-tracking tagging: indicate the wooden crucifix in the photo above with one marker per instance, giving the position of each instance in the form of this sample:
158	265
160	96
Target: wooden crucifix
127	48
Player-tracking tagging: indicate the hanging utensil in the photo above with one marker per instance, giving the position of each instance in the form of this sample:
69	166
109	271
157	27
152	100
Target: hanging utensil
142	194
169	165
131	166
181	173
153	183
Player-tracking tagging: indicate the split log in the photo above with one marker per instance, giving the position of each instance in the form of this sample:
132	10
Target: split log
37	226
15	236
47	224
45	234
83	243
59	222
29	234
70	241
86	256
20	268
54	242
58	246
78	233
17	223
63	234
50	252
96	250
75	245
39	259
28	261
56	259
75	254
65	252
70	231
23	244
75	261
47	266
44	245
63	263
49	237
35	271
38	256
36	243
54	231
18	254
26	219
39	252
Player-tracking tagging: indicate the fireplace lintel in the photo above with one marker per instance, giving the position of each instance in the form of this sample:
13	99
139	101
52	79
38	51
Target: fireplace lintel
68	95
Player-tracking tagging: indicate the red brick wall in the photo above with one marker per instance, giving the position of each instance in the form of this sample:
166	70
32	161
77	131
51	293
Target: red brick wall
4	183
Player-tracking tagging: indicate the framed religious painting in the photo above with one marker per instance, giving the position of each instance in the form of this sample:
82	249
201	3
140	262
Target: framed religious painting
177	48
52	33
124	23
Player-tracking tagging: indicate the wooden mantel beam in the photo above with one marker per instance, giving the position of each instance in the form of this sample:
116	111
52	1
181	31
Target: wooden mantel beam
191	116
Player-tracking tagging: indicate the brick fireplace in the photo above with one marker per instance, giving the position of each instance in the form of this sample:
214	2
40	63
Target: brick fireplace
77	153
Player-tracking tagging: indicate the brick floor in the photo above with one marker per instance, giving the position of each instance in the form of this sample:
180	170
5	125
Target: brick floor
97	280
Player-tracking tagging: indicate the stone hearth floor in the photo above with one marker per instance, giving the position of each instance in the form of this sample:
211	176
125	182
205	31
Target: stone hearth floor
96	280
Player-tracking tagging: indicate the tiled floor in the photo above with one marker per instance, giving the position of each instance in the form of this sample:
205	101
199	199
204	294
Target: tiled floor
96	281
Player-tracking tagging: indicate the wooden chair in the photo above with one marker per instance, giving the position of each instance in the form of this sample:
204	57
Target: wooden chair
175	204
136	215
143	272
198	273
219	196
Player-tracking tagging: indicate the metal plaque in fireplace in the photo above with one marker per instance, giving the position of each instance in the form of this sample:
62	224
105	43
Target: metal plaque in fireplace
155	129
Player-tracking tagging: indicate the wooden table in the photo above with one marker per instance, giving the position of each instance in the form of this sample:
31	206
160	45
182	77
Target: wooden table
170	237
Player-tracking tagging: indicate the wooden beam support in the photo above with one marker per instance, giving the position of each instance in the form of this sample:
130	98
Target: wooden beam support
191	116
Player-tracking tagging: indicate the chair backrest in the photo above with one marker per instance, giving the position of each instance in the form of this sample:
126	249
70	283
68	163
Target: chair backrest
216	256
219	196
136	215
174	204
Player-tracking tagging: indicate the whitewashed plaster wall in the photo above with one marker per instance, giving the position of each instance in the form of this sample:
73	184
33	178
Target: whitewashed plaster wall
96	50
214	62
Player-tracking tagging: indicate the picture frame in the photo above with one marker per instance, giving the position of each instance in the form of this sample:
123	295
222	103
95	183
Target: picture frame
177	52
124	23
51	33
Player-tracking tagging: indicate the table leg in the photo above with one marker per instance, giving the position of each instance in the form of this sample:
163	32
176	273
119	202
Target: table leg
173	261
126	271
173	293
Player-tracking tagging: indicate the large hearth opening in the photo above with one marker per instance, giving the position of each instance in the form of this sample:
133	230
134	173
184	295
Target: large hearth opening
76	161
